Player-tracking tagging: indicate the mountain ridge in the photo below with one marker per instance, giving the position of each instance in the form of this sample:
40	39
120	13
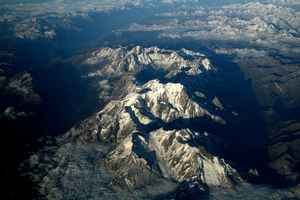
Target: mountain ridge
176	126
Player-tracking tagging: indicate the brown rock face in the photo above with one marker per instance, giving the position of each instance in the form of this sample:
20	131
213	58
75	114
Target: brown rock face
275	82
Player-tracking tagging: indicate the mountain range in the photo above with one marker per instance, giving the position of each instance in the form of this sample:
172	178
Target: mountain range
183	126
148	99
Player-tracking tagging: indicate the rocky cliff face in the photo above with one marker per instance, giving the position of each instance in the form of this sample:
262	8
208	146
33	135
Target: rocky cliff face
275	81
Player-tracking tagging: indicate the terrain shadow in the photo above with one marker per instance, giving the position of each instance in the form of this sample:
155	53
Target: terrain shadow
245	132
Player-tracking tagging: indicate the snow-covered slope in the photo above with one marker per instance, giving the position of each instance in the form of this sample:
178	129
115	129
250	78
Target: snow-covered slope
174	128
110	69
146	127
152	129
114	61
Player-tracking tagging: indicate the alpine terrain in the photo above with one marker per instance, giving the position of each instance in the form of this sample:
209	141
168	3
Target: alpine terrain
140	99
184	126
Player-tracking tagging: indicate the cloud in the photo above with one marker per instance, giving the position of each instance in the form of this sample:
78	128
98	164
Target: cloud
50	33
104	84
21	82
172	36
11	113
22	85
240	53
73	170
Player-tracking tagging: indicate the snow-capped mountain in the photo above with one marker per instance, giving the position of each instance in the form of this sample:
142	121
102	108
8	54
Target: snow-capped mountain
156	121
110	69
120	60
151	129
171	128
144	125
